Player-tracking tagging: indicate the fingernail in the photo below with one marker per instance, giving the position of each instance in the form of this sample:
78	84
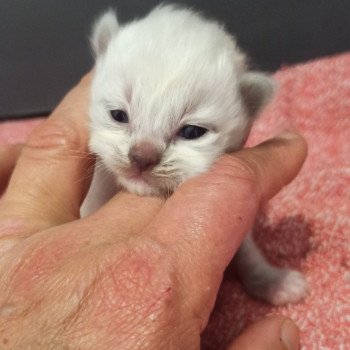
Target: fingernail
290	335
287	135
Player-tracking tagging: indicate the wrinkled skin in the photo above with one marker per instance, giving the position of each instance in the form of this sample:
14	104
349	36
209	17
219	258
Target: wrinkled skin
141	273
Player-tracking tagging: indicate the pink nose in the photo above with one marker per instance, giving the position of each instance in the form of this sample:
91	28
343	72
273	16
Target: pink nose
144	155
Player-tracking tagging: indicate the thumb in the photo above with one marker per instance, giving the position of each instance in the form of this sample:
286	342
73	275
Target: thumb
271	333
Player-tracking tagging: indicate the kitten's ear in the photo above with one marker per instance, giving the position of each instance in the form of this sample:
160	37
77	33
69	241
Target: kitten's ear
256	89
105	27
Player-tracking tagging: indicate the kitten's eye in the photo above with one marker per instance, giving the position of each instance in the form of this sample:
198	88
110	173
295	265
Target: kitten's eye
119	116
191	132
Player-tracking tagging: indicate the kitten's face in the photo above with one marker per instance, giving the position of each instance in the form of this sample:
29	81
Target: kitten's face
163	111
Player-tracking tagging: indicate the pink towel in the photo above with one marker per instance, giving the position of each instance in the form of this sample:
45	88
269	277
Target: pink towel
305	226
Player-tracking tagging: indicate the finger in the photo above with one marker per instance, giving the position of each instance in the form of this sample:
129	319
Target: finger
289	151
51	176
129	212
208	216
271	333
8	158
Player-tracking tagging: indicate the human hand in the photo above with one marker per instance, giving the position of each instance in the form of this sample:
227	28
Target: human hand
141	273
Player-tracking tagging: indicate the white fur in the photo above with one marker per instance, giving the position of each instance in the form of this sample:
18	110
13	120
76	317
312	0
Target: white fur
264	281
169	69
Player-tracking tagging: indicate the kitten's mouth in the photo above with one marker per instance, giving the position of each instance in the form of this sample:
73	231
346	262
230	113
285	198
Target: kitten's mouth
136	175
145	183
141	183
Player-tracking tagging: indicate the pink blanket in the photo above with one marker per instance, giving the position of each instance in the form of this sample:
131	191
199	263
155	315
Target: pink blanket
305	226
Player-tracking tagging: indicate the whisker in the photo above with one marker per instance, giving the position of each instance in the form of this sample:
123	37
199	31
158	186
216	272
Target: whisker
99	165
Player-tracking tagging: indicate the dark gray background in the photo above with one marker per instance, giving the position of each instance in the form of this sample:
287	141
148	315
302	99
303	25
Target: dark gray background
44	47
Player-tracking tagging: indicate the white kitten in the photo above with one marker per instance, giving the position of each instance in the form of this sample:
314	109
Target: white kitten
171	93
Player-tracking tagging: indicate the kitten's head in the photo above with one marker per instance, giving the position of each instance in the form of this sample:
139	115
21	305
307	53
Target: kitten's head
171	93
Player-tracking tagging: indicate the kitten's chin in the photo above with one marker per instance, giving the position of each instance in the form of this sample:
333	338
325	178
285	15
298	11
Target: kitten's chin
142	188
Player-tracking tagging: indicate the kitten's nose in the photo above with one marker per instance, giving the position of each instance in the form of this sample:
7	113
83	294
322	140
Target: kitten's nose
144	155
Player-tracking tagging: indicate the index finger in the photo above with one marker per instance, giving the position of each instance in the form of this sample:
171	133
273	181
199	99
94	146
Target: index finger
50	179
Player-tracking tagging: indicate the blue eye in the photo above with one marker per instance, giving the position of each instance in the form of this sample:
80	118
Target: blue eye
191	132
119	116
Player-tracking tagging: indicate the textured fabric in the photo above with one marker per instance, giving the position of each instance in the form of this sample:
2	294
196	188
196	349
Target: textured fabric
306	226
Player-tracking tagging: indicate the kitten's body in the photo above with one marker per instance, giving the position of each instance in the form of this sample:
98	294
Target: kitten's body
180	96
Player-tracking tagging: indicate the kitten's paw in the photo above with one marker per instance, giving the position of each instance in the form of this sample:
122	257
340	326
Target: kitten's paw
289	287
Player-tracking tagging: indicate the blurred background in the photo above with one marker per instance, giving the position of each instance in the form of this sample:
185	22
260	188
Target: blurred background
44	47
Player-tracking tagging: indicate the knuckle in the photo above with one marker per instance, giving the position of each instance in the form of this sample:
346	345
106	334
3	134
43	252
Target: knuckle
35	264
130	291
56	134
141	281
